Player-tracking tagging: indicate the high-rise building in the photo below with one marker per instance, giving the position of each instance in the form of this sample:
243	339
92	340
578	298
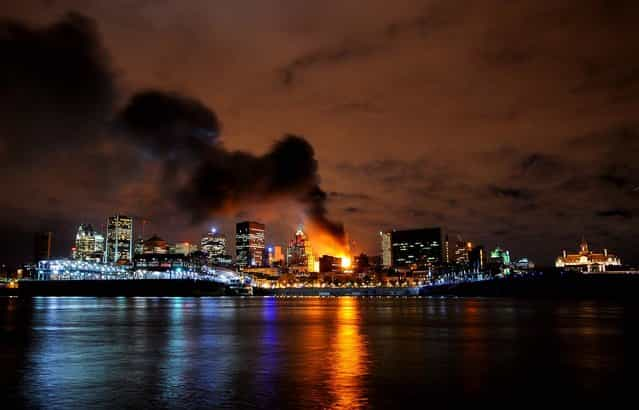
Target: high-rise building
213	245
299	254
119	239
89	244
419	248
42	246
462	252
249	244
387	258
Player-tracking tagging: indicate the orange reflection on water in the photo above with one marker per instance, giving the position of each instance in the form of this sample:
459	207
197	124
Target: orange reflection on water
350	357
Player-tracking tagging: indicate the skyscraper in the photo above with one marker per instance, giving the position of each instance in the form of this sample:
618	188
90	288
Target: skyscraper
119	239
299	254
419	248
387	260
462	252
249	244
42	246
89	244
213	245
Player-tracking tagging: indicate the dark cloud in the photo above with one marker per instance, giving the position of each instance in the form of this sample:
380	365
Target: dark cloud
513	193
349	195
167	122
616	212
335	55
436	16
56	84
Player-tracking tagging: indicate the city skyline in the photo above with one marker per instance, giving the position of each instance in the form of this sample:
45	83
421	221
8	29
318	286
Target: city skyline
228	246
414	249
517	132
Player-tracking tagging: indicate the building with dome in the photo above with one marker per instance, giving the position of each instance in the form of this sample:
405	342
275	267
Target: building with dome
586	260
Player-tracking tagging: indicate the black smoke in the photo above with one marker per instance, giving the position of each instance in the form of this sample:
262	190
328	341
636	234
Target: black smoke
168	122
183	132
56	84
61	114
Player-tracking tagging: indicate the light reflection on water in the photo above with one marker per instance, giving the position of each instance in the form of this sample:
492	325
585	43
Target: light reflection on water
349	357
310	352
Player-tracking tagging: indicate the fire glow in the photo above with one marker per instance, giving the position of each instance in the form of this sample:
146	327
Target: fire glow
346	262
327	244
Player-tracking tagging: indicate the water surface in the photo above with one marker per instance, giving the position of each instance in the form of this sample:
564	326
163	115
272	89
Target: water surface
309	352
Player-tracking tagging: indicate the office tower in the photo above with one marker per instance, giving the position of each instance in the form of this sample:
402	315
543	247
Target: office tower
462	252
42	246
213	245
299	254
249	244
418	248
387	253
89	244
119	239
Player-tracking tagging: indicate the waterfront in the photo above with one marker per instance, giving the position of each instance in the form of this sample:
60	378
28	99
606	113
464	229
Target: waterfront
308	352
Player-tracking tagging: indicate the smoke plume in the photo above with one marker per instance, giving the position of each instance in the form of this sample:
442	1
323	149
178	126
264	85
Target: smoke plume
59	110
183	133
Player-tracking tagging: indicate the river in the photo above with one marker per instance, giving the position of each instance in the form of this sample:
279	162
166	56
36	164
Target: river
348	352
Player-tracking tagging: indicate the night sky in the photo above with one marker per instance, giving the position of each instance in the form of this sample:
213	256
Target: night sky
512	123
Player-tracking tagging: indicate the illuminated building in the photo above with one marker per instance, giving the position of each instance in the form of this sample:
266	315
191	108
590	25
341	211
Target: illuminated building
524	264
139	246
477	259
387	254
499	255
183	248
586	260
329	263
500	260
310	258
213	244
119	239
155	245
275	255
462	252
418	249
299	254
89	245
249	244
42	246
161	262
